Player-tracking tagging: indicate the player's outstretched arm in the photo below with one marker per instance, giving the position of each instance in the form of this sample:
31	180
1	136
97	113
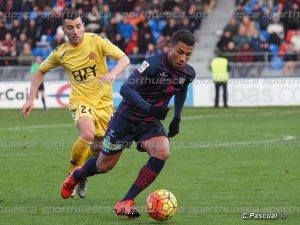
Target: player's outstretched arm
35	83
179	102
130	93
122	64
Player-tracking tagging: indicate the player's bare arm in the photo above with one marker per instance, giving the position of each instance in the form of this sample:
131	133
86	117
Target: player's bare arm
35	83
123	62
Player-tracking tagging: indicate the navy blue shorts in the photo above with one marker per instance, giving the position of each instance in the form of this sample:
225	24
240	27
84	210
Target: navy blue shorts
121	132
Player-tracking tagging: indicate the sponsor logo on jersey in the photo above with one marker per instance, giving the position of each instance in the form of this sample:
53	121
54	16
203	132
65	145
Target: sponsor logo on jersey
143	66
85	73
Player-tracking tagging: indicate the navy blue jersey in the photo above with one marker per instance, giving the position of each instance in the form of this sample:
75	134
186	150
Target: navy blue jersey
156	82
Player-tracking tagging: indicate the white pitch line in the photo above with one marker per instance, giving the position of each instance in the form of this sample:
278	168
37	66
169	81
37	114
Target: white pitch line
42	126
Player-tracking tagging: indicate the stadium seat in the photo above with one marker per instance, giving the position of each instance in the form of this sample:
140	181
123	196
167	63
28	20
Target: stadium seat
282	49
37	52
289	35
249	8
46	38
277	63
47	52
264	35
264	7
156	26
274	49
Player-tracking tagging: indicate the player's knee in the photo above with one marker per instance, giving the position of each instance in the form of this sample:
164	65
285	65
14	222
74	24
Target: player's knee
162	154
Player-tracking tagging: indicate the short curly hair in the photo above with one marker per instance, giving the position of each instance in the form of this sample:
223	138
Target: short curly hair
184	36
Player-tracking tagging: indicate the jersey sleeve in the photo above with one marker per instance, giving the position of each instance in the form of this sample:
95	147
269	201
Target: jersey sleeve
129	92
191	76
50	62
109	49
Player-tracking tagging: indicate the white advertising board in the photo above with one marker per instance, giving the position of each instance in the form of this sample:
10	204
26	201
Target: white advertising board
15	94
241	92
250	92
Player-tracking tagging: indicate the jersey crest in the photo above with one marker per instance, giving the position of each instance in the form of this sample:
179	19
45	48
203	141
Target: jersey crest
92	56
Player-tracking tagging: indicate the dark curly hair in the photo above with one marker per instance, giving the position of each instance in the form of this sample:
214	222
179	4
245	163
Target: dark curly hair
184	36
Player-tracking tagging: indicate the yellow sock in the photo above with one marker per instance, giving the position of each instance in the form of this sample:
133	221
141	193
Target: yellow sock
79	153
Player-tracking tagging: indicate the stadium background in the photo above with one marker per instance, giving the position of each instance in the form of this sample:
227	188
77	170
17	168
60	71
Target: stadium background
269	65
233	160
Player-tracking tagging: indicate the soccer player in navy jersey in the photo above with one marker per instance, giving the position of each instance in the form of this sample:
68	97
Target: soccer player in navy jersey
146	94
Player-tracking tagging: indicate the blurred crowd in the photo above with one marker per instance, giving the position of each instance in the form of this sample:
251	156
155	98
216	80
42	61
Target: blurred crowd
139	27
263	31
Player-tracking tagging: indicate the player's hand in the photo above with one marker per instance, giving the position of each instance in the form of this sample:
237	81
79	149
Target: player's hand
27	107
109	78
174	127
159	112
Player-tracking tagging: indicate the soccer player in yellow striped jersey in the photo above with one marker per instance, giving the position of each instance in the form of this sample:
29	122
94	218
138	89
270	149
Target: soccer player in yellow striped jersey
91	106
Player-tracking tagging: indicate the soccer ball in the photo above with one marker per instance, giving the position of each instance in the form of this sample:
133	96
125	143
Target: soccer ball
161	205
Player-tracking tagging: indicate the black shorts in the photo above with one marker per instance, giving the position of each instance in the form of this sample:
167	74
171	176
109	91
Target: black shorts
41	87
121	132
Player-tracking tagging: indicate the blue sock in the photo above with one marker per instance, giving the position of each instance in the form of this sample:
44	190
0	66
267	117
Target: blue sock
87	170
146	176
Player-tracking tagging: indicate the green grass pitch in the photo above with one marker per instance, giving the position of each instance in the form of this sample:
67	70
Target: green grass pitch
223	163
